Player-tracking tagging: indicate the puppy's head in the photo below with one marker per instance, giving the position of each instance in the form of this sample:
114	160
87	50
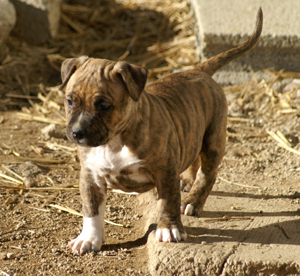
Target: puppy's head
101	98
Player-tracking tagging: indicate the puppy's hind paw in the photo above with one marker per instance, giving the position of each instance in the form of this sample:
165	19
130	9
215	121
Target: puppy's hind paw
190	209
169	235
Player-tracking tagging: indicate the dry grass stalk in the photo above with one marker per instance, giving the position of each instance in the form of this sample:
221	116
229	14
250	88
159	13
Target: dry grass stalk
284	74
39	160
238	184
11	178
12	172
30	117
282	141
66	209
39	209
47	189
73	212
46	101
56	146
4	273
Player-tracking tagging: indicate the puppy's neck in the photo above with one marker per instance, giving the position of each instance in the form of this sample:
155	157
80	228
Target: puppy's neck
138	126
115	144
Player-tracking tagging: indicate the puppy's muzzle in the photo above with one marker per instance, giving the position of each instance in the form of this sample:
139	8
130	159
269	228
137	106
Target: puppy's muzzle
77	133
87	131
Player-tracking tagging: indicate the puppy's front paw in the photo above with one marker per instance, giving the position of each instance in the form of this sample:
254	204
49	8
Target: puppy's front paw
84	244
91	237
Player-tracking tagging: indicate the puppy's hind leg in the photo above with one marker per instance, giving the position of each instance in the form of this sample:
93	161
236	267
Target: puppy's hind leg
188	177
211	155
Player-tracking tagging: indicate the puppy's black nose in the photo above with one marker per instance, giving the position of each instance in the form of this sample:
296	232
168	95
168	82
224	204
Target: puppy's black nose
77	133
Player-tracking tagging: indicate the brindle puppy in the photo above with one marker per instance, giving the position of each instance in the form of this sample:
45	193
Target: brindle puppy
134	139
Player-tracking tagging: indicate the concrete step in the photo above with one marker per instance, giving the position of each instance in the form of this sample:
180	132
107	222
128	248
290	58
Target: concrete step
223	24
226	242
37	21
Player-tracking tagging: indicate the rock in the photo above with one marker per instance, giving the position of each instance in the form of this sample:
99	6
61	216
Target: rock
3	256
10	256
7	22
52	131
29	182
7	256
29	169
37	20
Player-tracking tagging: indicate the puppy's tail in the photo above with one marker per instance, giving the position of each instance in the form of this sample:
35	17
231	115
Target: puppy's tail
213	64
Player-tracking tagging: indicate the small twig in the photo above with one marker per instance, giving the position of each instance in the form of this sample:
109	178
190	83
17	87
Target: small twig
226	219
127	52
237	120
50	199
4	273
282	228
124	193
71	23
238	184
21	96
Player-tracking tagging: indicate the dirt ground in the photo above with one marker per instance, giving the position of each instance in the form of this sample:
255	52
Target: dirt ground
262	153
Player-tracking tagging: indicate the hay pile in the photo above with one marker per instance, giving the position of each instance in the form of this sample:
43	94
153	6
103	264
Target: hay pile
158	35
266	110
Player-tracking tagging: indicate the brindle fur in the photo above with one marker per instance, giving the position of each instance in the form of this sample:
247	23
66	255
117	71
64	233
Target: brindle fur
173	126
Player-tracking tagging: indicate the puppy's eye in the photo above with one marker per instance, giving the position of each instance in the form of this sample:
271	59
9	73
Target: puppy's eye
69	102
104	107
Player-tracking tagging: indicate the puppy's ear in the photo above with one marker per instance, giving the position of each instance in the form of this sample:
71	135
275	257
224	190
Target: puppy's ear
134	78
69	66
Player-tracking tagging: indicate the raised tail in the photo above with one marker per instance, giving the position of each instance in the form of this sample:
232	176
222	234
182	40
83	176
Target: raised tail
215	63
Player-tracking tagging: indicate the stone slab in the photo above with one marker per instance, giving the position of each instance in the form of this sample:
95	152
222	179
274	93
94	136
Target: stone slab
7	18
37	20
262	239
7	22
228	23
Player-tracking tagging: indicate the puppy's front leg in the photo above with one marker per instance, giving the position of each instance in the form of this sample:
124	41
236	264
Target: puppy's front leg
169	227
93	202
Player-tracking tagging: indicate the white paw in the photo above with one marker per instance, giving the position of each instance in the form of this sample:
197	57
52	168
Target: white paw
188	210
167	235
91	237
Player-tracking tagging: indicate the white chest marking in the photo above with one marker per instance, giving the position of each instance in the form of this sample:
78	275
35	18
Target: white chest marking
112	159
